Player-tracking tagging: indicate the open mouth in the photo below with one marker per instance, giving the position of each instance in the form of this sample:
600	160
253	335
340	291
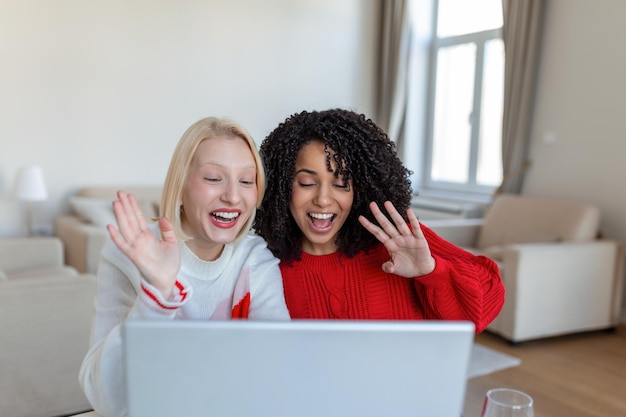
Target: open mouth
322	220
224	217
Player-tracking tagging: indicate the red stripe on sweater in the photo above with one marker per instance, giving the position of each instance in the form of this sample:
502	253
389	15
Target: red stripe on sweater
240	311
183	295
154	298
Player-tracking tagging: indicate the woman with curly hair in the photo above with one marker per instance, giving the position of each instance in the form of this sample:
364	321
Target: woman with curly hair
328	175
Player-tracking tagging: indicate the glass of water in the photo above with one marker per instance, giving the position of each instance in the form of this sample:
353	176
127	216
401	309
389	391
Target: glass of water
506	402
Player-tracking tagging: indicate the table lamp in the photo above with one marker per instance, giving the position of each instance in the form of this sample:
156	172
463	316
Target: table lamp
30	187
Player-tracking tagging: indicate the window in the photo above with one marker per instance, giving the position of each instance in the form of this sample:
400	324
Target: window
465	98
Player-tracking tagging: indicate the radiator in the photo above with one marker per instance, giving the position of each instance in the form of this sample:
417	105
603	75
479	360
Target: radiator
433	209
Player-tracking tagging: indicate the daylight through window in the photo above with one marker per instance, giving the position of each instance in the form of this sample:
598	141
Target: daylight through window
466	96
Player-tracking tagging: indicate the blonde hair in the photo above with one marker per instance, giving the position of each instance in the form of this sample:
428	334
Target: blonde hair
203	129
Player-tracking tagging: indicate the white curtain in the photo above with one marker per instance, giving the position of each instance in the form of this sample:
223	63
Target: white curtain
393	60
523	22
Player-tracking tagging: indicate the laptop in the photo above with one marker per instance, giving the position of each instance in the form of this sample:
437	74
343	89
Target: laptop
297	368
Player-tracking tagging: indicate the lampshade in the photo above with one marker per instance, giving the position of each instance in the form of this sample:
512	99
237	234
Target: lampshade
29	184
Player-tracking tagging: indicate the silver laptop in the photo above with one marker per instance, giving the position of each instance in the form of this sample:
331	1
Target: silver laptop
297	368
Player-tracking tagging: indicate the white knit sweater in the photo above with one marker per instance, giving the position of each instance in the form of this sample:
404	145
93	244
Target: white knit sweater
246	271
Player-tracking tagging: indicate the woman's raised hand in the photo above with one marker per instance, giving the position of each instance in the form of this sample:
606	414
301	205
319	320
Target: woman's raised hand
158	260
409	251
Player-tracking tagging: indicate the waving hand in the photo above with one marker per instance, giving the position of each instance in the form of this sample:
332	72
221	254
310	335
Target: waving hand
409	251
158	260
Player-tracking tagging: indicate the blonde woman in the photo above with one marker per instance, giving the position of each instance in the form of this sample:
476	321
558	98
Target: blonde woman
198	261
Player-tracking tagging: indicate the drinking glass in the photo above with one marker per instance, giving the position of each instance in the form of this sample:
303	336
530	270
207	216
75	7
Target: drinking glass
506	402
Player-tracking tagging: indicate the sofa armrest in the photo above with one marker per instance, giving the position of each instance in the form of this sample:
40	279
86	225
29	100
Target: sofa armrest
461	232
31	252
558	288
83	242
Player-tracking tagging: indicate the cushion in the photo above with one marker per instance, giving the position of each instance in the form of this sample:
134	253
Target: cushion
148	196
93	210
520	219
99	211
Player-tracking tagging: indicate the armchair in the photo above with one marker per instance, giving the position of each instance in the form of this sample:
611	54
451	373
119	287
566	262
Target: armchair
46	310
560	277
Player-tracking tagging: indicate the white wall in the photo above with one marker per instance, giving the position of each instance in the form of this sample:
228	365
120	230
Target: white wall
100	91
581	100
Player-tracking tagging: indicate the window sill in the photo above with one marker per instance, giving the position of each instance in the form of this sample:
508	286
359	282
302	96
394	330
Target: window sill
444	205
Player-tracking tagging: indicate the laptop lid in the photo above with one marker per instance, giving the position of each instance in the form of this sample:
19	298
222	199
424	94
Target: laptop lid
297	368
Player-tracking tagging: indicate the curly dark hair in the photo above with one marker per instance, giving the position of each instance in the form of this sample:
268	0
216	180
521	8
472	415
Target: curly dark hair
364	154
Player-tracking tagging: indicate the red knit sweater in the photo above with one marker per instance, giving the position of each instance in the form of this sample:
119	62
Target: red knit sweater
462	287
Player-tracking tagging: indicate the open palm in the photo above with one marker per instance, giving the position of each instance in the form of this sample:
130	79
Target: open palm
158	260
407	247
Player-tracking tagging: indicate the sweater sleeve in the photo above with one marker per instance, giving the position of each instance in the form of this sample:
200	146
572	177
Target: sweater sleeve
121	295
463	286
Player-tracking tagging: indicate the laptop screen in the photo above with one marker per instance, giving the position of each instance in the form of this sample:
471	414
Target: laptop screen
297	368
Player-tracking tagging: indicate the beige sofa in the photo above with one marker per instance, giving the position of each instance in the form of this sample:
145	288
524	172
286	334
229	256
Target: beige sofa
46	311
83	228
560	276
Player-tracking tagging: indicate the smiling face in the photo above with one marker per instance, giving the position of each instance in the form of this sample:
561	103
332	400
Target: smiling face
320	203
219	194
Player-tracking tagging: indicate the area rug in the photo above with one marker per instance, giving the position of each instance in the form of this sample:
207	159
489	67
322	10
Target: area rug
484	361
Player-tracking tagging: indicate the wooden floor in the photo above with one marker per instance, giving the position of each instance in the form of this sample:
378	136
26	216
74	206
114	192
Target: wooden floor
581	375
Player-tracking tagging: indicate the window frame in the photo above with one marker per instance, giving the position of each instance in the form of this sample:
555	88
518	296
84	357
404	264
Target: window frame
479	39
